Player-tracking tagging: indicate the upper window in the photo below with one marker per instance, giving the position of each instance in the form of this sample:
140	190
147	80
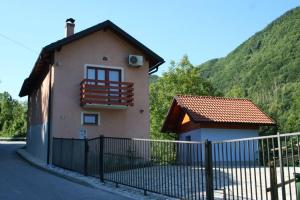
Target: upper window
90	119
103	77
103	74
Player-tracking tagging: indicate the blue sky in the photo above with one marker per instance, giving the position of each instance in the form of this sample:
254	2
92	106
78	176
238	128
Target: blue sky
201	29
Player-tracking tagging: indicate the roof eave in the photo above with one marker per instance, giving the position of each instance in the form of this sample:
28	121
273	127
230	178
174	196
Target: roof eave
165	129
157	60
241	123
29	81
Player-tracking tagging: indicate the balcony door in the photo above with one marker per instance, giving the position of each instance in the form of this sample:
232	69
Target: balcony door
106	77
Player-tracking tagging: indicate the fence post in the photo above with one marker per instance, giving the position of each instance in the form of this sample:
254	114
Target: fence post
273	181
209	171
86	150
101	159
281	167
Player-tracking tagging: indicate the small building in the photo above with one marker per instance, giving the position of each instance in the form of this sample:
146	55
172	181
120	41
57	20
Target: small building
199	118
90	83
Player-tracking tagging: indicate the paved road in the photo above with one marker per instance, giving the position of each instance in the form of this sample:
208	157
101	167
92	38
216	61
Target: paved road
21	181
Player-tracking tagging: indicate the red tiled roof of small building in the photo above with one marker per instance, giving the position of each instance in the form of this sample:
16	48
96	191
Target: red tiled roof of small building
221	109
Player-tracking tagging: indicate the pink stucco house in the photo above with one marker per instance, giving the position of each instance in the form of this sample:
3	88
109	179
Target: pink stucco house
89	83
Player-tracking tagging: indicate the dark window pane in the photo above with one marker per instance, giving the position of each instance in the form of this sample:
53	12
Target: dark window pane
91	74
90	119
101	76
114	75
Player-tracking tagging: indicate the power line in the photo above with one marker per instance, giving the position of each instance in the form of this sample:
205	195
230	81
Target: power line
18	43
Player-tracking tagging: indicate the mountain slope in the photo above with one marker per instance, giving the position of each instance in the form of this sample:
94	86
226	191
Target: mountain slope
266	69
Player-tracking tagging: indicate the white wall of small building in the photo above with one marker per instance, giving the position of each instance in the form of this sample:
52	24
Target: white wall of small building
217	134
224	152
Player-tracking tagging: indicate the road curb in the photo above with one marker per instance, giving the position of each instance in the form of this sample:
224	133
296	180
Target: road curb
37	163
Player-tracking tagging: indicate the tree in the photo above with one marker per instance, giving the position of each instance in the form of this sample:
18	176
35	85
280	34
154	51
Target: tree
12	117
181	78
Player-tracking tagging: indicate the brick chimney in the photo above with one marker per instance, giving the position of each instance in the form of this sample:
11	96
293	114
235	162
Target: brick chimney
69	28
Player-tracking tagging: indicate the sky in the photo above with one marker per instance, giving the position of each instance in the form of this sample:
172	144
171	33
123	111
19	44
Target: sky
201	29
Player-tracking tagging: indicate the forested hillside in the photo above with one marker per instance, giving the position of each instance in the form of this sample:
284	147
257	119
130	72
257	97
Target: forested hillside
266	69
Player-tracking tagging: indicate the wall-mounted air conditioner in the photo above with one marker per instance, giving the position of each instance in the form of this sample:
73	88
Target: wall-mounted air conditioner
135	60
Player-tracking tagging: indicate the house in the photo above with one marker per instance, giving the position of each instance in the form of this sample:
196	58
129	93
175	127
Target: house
199	118
90	83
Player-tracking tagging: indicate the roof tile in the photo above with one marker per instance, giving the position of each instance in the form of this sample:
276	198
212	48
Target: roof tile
221	109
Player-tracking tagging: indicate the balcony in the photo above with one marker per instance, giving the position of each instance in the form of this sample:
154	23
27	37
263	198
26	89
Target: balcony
106	94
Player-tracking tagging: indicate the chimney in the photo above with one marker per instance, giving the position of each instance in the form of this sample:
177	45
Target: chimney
69	28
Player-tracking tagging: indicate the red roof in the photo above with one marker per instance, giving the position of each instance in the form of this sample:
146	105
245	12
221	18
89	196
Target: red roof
218	109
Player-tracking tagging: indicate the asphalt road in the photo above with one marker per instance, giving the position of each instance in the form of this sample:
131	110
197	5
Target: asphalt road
21	181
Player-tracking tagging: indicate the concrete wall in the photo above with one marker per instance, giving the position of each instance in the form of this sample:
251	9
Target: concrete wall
223	152
69	68
37	141
37	134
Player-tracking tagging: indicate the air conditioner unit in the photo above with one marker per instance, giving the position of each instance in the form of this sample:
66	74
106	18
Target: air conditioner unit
135	60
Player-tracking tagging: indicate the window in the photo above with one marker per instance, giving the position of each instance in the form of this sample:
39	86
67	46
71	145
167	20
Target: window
105	75
188	138
90	119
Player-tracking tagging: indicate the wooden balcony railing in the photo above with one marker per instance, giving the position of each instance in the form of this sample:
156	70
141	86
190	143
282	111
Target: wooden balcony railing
108	93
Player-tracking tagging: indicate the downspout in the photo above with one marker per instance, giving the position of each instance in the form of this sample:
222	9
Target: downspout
155	67
49	114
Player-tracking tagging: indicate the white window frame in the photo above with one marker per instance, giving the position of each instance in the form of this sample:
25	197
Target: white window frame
103	66
89	112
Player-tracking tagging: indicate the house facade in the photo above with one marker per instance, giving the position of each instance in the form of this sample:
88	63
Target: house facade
90	83
200	118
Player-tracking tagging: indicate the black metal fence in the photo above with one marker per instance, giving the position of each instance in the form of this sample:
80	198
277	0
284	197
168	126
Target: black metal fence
93	157
173	168
252	168
69	154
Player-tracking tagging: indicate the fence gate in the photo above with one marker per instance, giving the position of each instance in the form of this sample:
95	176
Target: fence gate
257	168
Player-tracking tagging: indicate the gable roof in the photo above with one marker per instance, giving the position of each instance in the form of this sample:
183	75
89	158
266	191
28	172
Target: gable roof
215	110
45	57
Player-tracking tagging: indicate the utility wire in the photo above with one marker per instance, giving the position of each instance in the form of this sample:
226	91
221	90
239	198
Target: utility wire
18	43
